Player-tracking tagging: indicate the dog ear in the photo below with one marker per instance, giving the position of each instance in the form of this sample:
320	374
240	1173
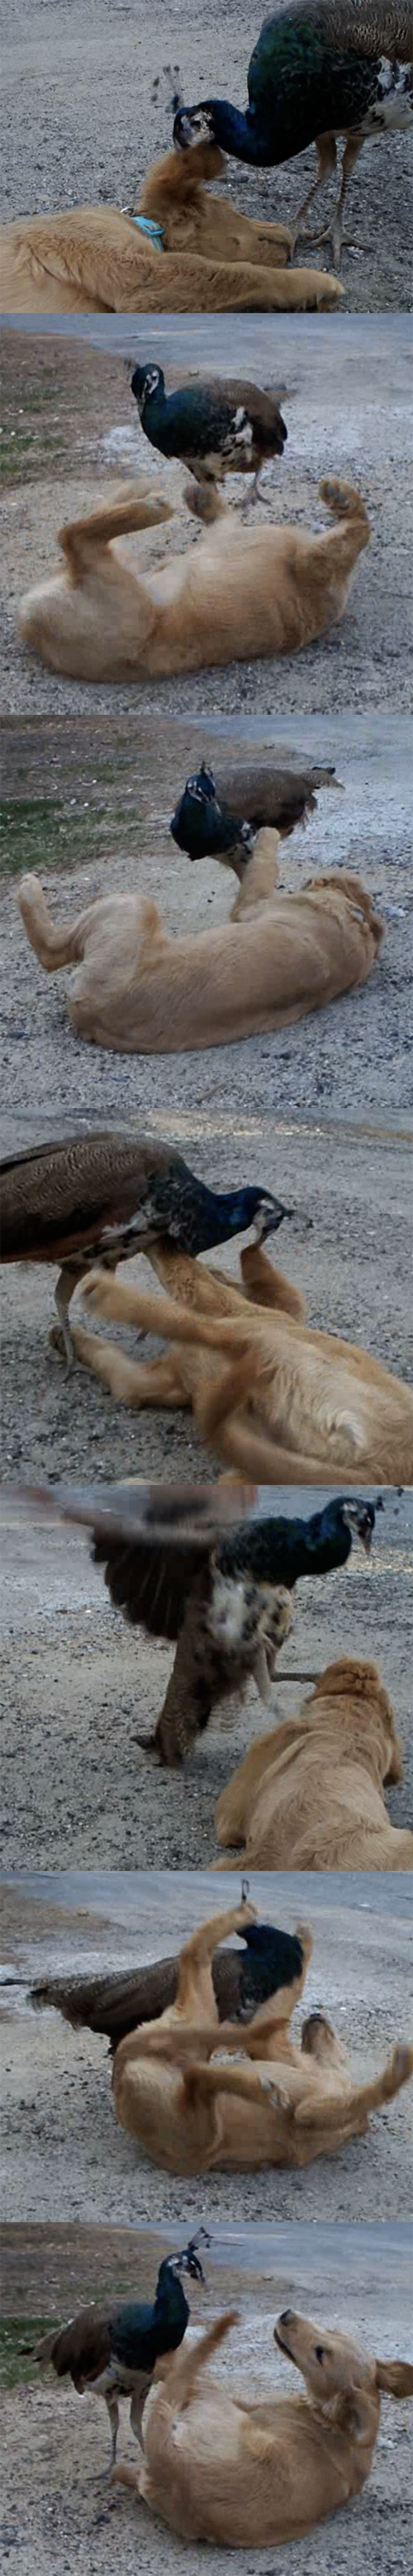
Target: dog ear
395	2378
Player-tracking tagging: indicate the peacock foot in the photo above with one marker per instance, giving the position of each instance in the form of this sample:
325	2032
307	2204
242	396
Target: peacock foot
61	1342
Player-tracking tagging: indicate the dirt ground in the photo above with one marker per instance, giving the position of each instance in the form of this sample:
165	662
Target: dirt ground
56	2511
77	1683
347	411
82	122
59	2134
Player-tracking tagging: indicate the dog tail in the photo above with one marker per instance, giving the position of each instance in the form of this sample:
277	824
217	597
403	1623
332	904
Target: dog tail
55	946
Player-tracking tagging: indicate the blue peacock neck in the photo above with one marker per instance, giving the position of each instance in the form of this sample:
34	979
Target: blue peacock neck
238	134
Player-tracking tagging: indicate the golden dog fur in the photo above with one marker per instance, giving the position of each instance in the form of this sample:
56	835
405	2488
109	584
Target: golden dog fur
220	2466
310	1794
279	2104
241	592
276	1399
140	990
95	259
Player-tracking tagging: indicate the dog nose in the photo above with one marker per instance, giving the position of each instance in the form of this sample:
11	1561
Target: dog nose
286	2318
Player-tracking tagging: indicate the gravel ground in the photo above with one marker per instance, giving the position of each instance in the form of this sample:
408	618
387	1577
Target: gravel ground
355	2278
341	1078
81	123
349	413
61	2145
71	1663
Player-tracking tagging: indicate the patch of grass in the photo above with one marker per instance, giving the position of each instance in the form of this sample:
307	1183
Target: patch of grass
54	832
21	449
16	2368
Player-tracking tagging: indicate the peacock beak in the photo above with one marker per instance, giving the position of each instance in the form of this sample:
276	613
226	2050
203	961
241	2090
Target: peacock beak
270	1220
188	122
366	1536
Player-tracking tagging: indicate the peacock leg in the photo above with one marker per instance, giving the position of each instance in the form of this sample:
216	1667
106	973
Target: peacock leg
60	1335
136	2412
254	491
334	230
113	2413
326	150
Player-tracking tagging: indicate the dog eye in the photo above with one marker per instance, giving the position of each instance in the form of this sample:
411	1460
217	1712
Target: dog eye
319	2352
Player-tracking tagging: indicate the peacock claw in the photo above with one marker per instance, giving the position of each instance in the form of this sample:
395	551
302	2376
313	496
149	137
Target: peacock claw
62	1343
148	1744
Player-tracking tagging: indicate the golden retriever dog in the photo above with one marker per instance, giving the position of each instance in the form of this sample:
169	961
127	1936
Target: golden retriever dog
278	2104
239	593
221	2466
310	1794
276	1399
99	259
138	989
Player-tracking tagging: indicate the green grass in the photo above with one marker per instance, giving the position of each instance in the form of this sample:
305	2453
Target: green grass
38	832
16	2368
20	448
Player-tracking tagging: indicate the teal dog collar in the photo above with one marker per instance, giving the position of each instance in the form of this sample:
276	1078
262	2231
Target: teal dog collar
154	231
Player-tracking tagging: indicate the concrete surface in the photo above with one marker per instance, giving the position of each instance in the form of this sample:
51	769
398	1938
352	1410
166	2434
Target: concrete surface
82	122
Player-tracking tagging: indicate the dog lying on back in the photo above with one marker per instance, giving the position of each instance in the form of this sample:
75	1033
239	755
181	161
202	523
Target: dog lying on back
221	2466
137	989
279	2104
277	1400
238	594
97	259
310	1794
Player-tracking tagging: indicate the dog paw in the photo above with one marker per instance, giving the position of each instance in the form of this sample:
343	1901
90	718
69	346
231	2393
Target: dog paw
277	2099
402	2063
247	1913
96	1292
329	292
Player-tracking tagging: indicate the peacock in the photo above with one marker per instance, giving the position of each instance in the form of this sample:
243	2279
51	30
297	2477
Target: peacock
216	427
221	1596
106	1195
321	69
219	814
113	2351
114	2005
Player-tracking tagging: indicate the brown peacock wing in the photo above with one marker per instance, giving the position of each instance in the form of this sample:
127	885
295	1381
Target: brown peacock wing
60	1195
151	1540
115	2004
82	2347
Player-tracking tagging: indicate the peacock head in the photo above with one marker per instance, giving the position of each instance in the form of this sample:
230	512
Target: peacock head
145	382
264	1212
360	1517
189	2260
192	124
203	827
273	1959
